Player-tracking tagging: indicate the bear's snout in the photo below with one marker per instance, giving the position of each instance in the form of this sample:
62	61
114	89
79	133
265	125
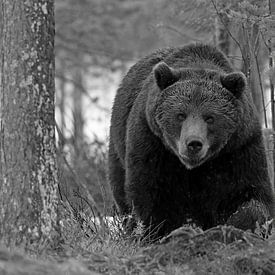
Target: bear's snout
192	151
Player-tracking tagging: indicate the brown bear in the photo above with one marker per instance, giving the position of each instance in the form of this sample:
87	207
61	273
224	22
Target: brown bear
186	144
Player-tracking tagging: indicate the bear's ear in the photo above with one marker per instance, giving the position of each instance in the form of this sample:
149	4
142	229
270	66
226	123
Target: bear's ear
234	82
164	75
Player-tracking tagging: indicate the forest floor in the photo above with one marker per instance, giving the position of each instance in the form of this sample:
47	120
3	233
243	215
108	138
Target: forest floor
219	250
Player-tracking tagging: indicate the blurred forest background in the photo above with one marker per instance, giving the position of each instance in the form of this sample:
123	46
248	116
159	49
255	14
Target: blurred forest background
98	40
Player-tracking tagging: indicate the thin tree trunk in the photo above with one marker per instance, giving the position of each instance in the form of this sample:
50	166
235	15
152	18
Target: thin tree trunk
271	66
28	173
62	105
272	106
252	47
78	122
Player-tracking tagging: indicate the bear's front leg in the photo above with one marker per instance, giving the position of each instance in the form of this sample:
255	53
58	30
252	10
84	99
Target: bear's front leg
251	215
143	178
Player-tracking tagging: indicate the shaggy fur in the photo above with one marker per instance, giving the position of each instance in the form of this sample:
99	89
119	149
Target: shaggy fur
170	105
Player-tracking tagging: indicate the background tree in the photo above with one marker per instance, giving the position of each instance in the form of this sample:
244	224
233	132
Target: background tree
28	175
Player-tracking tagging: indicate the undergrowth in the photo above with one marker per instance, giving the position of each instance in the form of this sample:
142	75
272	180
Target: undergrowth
92	237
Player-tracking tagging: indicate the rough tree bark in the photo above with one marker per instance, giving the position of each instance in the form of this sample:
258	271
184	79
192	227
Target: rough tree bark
28	173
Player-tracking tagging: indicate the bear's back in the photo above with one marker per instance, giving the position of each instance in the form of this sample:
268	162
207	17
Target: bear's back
199	56
133	81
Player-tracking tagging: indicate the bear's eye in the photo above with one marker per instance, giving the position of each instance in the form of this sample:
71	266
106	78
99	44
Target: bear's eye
181	116
209	119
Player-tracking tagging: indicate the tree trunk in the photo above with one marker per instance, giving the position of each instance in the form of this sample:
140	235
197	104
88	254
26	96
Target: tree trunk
28	173
78	120
271	44
62	105
250	45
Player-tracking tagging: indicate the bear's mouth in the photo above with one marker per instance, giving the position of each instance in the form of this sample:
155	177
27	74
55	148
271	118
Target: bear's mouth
192	162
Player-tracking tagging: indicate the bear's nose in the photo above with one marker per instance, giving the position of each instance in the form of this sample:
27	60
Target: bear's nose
194	146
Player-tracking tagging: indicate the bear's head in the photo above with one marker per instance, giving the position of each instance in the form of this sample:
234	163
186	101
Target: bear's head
197	114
